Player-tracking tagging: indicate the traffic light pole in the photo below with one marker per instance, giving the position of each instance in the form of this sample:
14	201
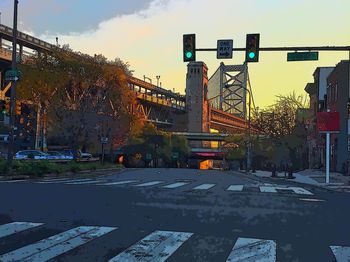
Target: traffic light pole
13	90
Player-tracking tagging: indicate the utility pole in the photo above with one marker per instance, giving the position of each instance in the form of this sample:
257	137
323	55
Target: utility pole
13	89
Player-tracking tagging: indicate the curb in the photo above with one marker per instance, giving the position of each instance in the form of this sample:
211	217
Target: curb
62	175
299	182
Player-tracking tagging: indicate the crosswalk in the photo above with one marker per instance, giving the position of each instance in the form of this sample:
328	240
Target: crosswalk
186	184
158	245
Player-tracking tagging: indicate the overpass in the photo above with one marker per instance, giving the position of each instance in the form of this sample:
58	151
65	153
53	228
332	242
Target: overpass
168	110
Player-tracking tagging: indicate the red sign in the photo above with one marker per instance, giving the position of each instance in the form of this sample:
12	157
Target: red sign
328	122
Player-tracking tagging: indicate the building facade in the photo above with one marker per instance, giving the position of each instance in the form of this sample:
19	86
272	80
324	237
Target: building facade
318	95
337	101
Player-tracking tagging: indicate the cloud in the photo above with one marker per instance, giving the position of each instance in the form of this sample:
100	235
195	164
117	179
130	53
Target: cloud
151	39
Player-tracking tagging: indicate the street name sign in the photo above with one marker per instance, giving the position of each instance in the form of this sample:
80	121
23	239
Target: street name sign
224	49
104	140
302	56
12	75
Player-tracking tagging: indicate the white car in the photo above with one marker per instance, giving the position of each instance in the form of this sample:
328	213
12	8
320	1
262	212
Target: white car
31	154
58	156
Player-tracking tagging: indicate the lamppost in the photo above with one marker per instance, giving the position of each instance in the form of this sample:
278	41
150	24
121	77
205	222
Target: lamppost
149	79
157	80
13	89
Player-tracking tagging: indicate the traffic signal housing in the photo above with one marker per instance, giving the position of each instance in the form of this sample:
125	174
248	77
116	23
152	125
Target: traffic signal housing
189	47
252	48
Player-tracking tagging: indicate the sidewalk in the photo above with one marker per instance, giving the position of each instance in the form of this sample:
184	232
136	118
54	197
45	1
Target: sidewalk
314	177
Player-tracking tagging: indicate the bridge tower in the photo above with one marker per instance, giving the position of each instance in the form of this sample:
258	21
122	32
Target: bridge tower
196	97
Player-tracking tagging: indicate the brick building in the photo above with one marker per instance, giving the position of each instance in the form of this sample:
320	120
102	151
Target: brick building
337	100
317	92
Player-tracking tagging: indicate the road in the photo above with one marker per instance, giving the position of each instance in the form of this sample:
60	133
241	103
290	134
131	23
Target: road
172	215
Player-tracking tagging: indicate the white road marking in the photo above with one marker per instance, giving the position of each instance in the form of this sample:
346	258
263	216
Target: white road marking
251	249
157	246
15	227
268	189
64	181
83	182
152	183
273	189
119	183
235	188
56	245
342	254
312	199
54	179
175	185
203	187
299	190
13	181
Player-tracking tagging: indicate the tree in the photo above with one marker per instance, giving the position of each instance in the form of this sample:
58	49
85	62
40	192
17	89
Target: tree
285	134
83	97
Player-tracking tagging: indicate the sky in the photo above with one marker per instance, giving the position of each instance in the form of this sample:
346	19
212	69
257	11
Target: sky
148	34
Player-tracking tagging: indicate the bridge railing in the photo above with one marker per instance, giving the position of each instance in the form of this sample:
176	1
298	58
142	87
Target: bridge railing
159	101
26	38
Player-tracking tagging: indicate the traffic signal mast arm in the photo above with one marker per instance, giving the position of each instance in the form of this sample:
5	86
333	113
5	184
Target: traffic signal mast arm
299	48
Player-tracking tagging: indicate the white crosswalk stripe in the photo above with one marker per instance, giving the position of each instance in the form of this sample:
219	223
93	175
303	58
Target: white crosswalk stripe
15	227
157	246
342	254
176	185
56	245
204	187
152	183
63	181
235	188
273	189
12	181
251	249
83	182
119	183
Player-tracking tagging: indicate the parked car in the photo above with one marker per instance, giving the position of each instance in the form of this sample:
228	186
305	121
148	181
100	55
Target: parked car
58	155
31	154
80	154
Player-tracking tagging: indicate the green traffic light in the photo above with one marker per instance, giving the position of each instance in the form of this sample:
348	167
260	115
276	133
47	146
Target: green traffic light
251	55
188	54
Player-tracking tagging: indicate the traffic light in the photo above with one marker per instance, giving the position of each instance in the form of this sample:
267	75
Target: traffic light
252	48
189	47
18	108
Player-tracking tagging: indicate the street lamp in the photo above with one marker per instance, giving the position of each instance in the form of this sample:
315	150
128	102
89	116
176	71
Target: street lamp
157	80
149	79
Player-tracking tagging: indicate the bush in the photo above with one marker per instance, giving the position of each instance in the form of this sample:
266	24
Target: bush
74	167
3	167
34	168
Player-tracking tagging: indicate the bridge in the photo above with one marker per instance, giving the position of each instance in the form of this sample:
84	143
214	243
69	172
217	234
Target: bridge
207	104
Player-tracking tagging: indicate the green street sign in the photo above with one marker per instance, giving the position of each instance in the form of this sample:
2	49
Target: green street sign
302	56
175	155
13	75
148	156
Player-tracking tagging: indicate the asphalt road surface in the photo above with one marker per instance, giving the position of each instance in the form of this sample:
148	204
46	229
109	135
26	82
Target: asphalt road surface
172	215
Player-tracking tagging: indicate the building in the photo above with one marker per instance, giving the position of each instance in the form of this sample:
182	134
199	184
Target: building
337	101
317	92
